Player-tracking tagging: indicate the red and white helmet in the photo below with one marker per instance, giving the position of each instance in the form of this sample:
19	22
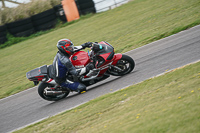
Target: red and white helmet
65	46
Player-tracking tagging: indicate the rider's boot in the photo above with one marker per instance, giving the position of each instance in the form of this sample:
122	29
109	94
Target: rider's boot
81	88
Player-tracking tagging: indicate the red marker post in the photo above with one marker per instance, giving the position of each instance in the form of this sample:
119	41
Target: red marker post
71	10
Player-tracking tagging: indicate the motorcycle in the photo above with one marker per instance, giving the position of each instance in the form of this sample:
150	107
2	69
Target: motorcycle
106	63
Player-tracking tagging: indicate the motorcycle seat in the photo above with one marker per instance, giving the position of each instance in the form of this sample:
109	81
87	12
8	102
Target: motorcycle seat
49	69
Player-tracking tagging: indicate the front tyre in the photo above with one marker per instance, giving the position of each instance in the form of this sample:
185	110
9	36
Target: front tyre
41	91
126	65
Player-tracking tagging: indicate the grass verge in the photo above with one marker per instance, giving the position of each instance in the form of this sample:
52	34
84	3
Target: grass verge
164	104
127	27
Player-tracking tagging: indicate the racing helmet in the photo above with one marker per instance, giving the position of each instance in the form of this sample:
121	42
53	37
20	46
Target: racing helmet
65	46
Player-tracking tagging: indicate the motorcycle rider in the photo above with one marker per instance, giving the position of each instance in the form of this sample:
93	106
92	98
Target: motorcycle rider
62	65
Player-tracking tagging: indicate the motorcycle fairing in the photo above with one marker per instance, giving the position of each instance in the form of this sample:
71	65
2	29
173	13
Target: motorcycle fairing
116	58
107	49
105	55
104	59
104	42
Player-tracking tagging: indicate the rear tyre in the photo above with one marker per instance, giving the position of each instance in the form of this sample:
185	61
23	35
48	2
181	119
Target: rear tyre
126	64
41	91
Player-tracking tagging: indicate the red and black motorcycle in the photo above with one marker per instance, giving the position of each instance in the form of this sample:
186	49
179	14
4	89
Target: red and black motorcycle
106	63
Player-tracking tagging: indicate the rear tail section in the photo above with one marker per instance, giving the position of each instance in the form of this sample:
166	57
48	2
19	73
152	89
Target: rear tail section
38	74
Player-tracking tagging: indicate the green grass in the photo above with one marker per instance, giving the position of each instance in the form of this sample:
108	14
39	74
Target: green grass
126	27
166	104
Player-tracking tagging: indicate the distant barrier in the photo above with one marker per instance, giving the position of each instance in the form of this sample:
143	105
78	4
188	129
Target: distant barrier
48	19
104	5
85	6
25	27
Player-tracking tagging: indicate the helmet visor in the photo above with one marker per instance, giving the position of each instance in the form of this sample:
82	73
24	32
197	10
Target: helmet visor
70	48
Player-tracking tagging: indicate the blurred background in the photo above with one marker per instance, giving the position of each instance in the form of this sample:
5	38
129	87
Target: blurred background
100	5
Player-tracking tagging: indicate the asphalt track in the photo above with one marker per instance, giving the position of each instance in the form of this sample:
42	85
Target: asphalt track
153	59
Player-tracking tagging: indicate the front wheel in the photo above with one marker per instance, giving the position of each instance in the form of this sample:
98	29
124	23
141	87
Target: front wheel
126	64
55	96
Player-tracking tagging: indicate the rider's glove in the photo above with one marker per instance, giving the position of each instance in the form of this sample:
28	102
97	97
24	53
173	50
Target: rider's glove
87	44
97	47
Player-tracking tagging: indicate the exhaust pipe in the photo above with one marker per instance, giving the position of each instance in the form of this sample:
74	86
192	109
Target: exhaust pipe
53	93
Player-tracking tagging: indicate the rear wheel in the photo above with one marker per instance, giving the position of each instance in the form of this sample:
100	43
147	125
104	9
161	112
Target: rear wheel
124	66
42	89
